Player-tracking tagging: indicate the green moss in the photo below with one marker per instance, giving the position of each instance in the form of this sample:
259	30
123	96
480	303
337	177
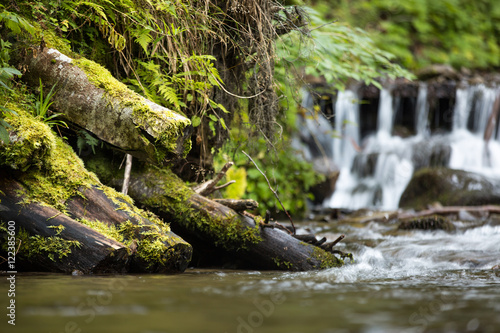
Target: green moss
163	124
51	40
54	247
53	173
227	232
154	242
327	259
107	230
31	141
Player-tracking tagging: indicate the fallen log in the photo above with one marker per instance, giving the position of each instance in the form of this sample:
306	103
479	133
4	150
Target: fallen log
54	178
89	97
157	248
203	221
50	241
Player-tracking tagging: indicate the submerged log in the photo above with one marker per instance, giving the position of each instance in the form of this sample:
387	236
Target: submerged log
50	241
203	221
89	96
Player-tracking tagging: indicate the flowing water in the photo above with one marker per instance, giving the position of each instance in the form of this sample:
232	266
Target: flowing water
375	169
399	282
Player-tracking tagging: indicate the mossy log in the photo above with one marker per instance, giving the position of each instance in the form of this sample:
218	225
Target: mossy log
46	176
203	221
89	97
51	241
155	248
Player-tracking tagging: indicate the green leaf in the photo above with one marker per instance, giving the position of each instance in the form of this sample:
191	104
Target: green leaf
196	121
4	134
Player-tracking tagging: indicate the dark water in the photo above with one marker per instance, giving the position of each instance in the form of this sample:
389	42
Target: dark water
400	282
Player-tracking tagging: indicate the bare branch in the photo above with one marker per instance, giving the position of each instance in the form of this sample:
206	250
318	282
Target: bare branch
272	190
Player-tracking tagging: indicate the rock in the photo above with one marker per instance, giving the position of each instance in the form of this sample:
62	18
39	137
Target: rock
434	222
437	70
450	188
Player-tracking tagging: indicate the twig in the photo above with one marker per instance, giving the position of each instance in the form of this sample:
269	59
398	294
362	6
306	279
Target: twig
272	190
209	186
224	185
341	237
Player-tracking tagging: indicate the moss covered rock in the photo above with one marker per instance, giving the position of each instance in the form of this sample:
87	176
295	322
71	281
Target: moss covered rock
450	188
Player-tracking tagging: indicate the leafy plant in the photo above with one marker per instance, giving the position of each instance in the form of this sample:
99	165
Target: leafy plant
16	24
4	126
460	33
42	105
85	139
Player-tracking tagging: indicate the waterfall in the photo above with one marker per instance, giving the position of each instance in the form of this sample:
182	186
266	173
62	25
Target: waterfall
469	150
346	127
422	110
462	109
377	175
386	113
376	168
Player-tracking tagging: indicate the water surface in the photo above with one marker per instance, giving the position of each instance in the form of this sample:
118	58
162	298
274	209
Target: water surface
400	282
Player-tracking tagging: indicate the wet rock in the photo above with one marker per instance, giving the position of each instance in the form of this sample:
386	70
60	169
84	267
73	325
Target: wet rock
434	222
450	188
437	70
326	188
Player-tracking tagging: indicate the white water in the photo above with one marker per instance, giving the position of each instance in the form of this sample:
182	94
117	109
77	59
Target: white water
346	128
395	158
469	150
422	113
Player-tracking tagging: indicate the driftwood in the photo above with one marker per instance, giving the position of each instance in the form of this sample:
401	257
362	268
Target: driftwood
95	254
448	210
203	221
91	98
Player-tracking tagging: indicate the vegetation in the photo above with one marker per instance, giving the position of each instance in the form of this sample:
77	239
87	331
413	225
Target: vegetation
460	33
17	25
42	105
225	65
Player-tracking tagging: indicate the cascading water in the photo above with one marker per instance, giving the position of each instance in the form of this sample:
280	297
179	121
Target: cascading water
375	170
469	150
379	173
422	110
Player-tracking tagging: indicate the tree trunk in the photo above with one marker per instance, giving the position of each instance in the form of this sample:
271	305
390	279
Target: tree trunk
203	221
89	96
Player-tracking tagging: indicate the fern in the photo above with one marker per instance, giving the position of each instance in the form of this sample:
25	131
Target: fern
85	139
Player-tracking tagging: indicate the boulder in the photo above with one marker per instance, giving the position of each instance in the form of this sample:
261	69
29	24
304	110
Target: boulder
450	188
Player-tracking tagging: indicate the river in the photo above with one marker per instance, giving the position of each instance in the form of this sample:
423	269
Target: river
400	281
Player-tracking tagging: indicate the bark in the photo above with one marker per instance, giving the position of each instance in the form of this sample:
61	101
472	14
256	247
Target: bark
91	98
203	221
96	254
